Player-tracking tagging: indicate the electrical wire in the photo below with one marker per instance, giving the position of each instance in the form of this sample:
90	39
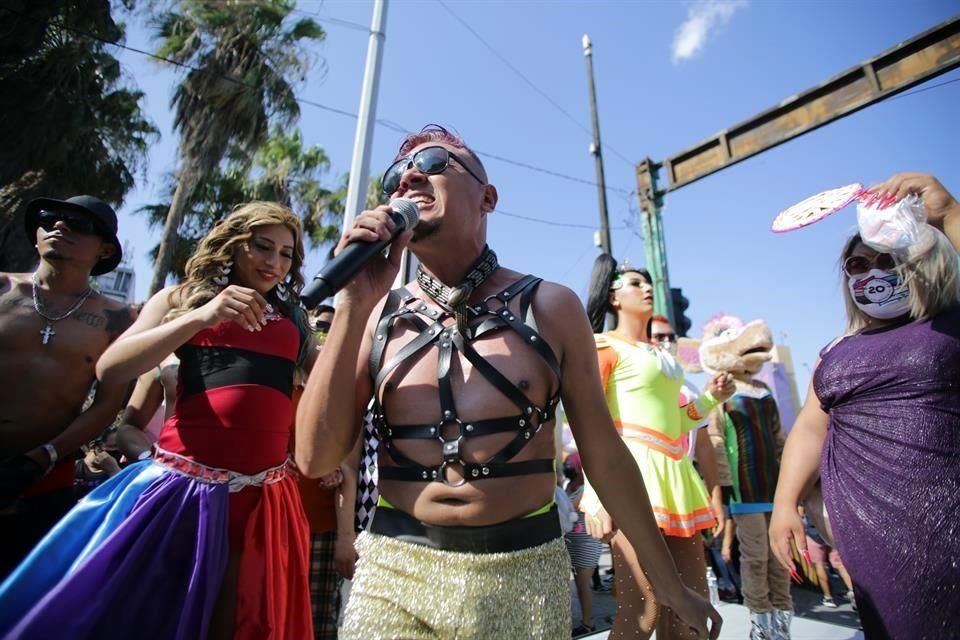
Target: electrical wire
527	80
313	103
552	223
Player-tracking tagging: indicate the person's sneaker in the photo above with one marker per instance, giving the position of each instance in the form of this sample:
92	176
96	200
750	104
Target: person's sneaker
852	599
828	602
582	630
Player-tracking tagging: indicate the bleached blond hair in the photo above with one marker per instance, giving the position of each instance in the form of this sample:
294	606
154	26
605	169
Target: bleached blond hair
932	274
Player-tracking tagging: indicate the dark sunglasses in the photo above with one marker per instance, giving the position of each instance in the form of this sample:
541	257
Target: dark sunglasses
858	265
47	220
429	160
664	337
322	325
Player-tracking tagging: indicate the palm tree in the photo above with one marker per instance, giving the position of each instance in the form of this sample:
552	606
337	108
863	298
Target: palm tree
281	170
284	171
242	60
71	123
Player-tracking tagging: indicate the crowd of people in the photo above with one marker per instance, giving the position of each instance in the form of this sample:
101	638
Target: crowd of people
223	438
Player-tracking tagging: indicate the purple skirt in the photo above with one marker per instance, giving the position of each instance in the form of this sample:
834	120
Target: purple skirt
143	555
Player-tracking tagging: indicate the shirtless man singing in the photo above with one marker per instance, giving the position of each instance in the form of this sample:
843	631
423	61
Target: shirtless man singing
466	368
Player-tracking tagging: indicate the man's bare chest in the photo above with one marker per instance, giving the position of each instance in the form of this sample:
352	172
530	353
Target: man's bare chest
492	375
78	338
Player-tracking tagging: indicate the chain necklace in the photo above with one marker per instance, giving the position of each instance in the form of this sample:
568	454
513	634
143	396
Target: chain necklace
48	331
455	298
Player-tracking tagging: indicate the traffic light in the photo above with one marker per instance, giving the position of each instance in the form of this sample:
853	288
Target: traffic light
681	323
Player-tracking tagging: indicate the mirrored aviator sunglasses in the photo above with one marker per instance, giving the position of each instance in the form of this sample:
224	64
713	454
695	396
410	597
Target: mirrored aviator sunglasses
859	265
78	224
431	161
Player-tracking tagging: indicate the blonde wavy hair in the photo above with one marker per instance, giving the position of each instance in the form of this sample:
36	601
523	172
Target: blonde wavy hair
217	249
932	275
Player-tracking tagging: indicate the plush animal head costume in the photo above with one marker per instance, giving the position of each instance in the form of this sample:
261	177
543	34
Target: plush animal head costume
728	345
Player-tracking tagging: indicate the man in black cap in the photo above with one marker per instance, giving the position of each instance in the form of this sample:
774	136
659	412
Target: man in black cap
53	328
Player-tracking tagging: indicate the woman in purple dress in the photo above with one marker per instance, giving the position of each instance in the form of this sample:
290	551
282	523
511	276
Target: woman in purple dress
881	425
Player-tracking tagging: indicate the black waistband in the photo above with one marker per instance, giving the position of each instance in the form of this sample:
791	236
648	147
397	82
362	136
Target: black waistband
205	368
512	535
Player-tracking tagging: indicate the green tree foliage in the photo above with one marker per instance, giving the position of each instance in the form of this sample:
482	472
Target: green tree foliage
71	123
281	170
242	59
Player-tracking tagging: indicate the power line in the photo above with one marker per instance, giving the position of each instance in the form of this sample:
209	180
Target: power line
529	82
384	123
619	190
575	263
356	26
922	89
551	223
404	130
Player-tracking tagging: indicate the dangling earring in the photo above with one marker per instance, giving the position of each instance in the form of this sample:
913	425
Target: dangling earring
282	292
224	278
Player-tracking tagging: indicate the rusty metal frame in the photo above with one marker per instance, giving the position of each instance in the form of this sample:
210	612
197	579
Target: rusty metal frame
906	65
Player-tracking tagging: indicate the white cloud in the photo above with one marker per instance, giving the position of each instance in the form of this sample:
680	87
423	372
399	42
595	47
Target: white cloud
703	19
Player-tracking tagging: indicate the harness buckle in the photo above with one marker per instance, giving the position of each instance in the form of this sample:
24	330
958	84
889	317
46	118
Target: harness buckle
450	449
442	470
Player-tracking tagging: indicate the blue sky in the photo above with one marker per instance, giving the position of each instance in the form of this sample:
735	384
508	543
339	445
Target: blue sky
668	75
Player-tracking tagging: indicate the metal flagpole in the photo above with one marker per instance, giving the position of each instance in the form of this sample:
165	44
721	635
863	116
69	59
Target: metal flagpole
360	165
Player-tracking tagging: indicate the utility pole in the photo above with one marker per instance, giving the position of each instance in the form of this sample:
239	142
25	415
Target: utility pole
360	165
654	246
595	151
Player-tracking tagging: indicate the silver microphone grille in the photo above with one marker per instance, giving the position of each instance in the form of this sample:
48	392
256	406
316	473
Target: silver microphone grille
408	209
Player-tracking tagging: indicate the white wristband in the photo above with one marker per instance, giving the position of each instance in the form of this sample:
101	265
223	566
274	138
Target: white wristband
51	452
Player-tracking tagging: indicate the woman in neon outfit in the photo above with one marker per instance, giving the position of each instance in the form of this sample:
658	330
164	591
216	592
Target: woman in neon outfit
642	383
205	536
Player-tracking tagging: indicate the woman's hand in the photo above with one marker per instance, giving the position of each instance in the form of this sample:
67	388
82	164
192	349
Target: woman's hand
600	525
936	199
786	526
721	386
237	304
716	501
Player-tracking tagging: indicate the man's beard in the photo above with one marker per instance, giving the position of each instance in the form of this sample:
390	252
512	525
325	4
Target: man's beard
425	229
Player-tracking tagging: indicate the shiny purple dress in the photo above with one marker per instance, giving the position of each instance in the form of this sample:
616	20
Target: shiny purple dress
891	473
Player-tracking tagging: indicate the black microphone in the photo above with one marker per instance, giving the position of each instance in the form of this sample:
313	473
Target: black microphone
348	263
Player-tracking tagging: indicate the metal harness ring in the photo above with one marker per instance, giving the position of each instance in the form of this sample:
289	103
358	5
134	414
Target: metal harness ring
442	471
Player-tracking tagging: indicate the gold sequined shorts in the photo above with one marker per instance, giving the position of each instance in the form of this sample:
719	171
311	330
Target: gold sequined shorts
411	591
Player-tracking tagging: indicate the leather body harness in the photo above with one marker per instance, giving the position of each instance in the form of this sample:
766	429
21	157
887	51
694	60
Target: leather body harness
494	314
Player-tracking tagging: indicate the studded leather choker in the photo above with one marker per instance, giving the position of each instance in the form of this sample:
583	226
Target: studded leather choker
454	299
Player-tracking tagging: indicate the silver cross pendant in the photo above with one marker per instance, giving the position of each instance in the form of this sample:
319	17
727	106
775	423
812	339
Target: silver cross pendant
48	333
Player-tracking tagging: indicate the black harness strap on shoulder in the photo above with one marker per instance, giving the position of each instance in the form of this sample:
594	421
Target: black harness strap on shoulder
402	305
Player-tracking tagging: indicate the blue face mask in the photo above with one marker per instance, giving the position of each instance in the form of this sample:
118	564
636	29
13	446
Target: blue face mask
880	294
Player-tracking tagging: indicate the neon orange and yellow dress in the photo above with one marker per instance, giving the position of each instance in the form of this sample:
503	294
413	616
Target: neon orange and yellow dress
642	384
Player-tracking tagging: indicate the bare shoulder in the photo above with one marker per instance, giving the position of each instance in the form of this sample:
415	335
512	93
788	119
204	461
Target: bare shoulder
561	319
557	297
14	290
157	307
10	281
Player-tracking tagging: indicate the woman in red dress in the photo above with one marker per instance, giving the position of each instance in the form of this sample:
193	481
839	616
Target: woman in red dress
206	536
